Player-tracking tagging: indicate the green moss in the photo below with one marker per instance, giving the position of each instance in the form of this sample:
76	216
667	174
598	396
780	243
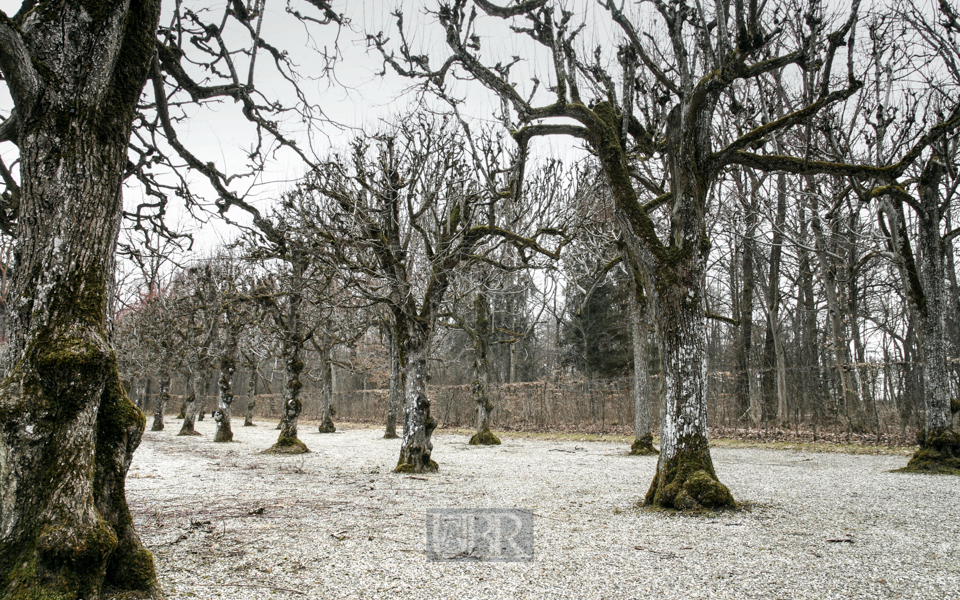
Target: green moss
404	467
136	573
484	438
287	445
939	454
643	446
688	482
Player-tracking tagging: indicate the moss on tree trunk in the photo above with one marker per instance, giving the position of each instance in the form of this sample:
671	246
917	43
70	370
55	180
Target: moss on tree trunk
938	454
67	429
687	481
643	446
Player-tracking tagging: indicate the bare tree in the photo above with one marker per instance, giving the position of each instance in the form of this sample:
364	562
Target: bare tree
664	110
400	224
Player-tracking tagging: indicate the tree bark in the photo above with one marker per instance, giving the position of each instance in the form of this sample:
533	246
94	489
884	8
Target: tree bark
685	476
251	397
327	410
292	348
939	443
745	318
228	366
193	383
642	426
202	395
481	367
147	390
163	396
774	361
67	429
395	401
418	425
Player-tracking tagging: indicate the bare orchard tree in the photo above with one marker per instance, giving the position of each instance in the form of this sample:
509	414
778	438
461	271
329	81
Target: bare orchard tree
256	346
75	71
74	74
234	284
399	215
197	314
473	293
293	283
396	385
649	110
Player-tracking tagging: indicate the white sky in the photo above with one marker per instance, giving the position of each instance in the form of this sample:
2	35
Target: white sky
358	97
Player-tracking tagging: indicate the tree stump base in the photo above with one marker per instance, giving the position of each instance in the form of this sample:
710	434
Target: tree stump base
938	455
687	482
484	438
643	446
287	445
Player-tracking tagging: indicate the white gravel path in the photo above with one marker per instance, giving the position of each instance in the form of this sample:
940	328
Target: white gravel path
337	523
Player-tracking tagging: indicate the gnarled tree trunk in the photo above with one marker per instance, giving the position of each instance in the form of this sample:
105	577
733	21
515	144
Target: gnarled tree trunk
418	425
926	289
228	366
251	397
288	442
643	436
327	411
191	401
67	429
685	476
163	396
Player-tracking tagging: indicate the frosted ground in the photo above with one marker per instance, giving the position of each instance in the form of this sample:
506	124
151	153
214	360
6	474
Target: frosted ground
224	521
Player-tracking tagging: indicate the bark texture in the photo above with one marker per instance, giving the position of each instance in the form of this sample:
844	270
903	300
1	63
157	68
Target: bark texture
418	425
289	321
251	397
288	442
228	366
685	476
939	443
163	396
68	430
481	366
191	402
395	401
327	410
643	442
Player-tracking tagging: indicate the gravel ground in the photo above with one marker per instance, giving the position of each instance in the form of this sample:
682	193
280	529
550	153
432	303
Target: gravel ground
224	521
